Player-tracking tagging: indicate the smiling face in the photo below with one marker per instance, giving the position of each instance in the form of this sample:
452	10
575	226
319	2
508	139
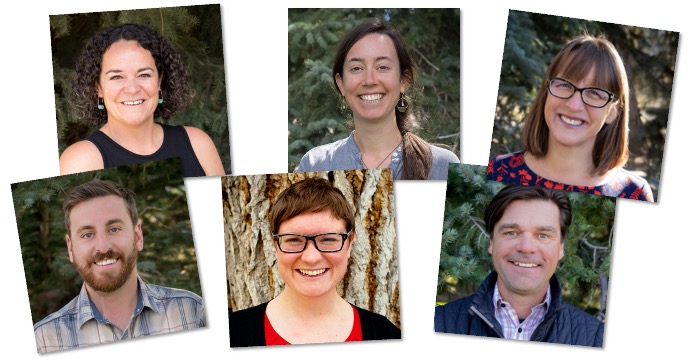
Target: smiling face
312	273
128	83
573	123
103	243
526	247
371	79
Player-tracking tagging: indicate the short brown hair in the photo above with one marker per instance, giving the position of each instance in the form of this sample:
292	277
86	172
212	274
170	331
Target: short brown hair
574	62
310	195
98	188
512	192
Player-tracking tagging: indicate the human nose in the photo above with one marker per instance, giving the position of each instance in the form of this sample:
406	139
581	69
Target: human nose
131	85
369	77
102	242
311	252
527	243
575	101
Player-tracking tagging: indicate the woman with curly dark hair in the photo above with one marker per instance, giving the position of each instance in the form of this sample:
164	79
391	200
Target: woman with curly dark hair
126	77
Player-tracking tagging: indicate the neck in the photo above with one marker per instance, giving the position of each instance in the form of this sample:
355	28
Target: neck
143	139
573	166
376	143
117	306
376	136
307	307
522	304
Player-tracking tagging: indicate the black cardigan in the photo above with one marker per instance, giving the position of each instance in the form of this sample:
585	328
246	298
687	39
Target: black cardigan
247	326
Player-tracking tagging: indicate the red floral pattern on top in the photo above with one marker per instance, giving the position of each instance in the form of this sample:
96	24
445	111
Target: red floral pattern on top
511	168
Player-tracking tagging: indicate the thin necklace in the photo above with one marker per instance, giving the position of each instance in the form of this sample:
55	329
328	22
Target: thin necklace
384	159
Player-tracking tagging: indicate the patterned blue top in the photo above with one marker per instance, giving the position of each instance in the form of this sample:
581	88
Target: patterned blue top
511	168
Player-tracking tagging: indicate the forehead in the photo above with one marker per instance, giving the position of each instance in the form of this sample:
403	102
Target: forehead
593	69
530	214
98	210
373	46
312	223
123	52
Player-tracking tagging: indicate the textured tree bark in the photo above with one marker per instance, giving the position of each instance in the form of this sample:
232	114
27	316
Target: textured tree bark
371	281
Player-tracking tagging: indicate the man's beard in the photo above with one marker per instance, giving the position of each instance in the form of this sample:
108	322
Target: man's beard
107	281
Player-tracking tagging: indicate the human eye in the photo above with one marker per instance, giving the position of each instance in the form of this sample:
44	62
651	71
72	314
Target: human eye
114	230
329	238
563	85
596	94
87	235
291	239
356	69
510	233
115	77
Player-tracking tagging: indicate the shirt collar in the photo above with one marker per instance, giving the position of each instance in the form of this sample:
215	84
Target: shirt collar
498	300
87	310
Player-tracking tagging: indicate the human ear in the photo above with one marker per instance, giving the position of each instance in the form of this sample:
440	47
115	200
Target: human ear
405	81
69	248
613	112
139	237
339	82
352	239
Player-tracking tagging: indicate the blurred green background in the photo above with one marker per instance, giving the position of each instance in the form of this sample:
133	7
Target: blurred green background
465	261
194	31
168	257
532	40
432	37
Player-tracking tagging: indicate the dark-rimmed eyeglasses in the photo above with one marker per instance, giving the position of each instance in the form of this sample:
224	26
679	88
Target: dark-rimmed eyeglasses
592	96
326	242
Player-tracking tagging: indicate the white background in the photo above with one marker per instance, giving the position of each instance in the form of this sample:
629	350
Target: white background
645	315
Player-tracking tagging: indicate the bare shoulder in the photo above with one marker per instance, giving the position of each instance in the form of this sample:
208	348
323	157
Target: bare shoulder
79	157
205	151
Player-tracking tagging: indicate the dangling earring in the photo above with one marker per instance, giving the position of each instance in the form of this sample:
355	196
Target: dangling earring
100	104
342	104
160	96
402	103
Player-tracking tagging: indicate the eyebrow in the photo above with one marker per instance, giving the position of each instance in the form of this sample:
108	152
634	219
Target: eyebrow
378	58
107	223
119	71
516	226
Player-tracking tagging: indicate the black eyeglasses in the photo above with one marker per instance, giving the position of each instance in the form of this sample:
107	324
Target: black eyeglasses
326	242
592	96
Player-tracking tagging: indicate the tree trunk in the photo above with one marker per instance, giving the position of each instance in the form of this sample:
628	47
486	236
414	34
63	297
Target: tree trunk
371	281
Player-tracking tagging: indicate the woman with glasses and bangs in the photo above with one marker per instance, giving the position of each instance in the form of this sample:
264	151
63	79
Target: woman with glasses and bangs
313	232
576	132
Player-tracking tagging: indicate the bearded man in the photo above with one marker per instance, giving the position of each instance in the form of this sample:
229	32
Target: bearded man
104	237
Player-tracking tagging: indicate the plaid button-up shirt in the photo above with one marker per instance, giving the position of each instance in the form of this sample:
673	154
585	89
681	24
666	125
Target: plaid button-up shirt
511	325
159	310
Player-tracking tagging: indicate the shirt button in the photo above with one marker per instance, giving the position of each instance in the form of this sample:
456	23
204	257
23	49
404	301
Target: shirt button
519	330
503	305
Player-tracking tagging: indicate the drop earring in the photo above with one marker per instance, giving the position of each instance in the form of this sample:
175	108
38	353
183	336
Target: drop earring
342	104
160	96
402	103
100	104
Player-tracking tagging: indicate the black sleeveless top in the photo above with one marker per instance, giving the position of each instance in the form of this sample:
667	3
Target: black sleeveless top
175	144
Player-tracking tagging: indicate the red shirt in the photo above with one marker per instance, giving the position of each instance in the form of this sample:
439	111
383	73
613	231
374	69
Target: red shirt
272	337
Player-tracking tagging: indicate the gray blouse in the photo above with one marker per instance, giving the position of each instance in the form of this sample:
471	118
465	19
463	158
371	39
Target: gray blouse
345	155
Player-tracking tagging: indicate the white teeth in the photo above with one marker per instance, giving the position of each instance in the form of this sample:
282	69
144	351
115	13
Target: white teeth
372	97
312	272
133	102
527	265
570	121
106	262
